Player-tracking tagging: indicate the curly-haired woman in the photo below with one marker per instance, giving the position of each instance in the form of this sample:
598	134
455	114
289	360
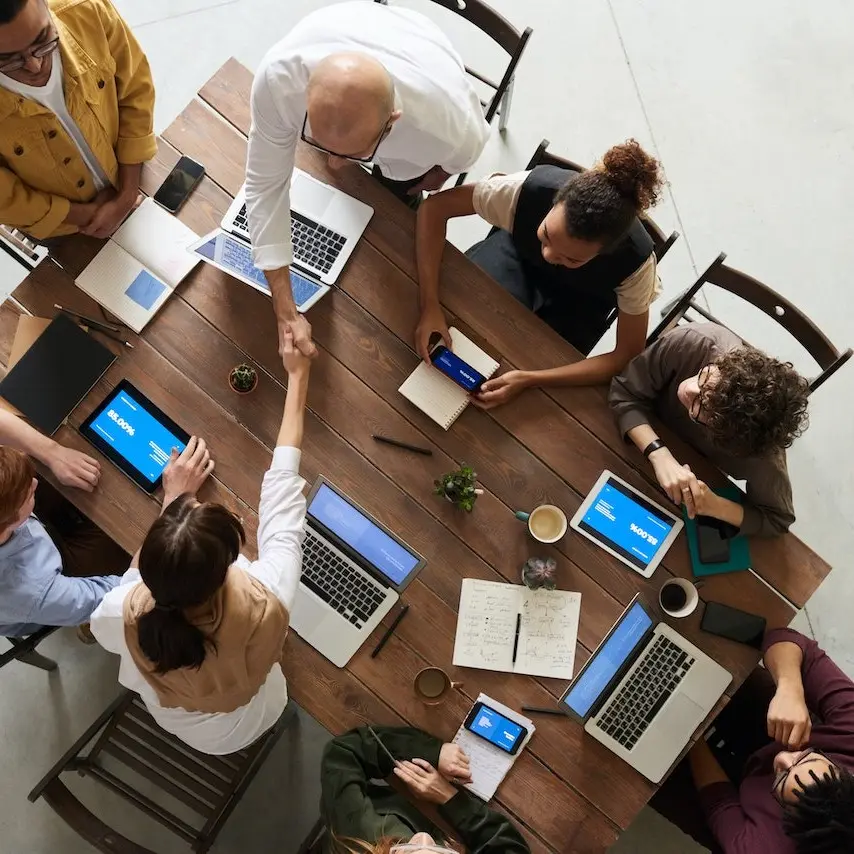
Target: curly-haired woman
734	404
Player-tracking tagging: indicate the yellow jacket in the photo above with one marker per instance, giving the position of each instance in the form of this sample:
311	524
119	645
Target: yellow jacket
109	94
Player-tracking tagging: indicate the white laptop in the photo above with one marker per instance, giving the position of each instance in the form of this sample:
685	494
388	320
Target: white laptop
645	691
326	225
353	571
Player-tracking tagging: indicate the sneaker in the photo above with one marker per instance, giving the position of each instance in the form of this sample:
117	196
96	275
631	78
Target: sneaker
84	634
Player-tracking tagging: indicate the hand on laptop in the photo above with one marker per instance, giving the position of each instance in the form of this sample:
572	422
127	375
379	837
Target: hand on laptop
72	468
185	473
432	322
300	329
454	764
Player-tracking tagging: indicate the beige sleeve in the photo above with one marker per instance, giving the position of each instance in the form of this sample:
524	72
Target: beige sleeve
639	290
496	196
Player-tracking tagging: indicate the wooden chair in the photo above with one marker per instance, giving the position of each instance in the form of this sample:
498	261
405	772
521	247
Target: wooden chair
829	358
135	748
24	650
508	38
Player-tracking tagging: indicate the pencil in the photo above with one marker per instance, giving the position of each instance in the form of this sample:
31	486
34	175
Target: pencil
390	631
405	445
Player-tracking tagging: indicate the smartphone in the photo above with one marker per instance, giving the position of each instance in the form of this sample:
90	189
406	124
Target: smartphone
453	367
492	726
719	619
179	183
712	541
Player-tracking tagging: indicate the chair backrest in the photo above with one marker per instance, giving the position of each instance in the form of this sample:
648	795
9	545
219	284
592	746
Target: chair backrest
828	357
543	157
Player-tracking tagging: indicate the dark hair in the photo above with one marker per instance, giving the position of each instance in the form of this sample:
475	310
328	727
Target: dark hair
16	478
601	203
758	404
822	819
183	562
10	9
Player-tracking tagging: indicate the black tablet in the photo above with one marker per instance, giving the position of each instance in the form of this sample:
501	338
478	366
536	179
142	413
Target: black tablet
137	436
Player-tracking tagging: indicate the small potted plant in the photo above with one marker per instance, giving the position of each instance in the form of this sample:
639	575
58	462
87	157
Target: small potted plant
539	573
243	378
459	487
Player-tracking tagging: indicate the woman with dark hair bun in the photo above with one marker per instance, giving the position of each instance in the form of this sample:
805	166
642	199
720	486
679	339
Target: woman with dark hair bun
569	246
199	628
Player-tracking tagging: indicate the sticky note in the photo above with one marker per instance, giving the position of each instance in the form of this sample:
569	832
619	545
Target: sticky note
145	290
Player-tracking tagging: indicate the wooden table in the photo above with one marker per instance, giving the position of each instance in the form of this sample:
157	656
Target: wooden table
567	792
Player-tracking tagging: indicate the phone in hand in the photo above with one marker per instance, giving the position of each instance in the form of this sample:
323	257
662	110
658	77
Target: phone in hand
498	730
731	623
179	183
453	367
712	540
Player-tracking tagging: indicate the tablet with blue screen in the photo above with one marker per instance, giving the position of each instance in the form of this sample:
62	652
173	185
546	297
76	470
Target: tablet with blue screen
626	524
134	434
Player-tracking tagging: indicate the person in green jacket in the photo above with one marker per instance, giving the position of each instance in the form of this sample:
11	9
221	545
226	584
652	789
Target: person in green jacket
365	817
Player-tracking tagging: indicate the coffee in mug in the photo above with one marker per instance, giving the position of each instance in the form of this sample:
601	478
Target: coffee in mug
673	597
546	523
432	684
678	597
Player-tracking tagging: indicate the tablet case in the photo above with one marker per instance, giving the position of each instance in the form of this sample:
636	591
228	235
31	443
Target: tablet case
739	548
55	374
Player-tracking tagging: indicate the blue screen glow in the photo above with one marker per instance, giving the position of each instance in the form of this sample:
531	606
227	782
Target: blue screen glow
607	660
362	535
496	729
136	435
451	365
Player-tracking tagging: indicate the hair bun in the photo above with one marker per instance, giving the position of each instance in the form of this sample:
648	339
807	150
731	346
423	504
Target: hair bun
635	174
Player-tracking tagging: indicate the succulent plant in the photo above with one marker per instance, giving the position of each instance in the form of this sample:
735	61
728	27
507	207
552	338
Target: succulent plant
243	378
539	573
459	487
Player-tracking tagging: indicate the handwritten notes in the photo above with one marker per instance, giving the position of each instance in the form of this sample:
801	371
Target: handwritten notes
486	629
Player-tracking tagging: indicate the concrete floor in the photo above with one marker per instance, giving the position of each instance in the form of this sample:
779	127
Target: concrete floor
747	106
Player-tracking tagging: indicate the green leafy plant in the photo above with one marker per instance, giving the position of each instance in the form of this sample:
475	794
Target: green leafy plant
243	378
539	573
459	487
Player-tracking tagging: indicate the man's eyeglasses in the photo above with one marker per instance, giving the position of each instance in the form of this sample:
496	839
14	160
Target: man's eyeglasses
780	780
314	144
18	61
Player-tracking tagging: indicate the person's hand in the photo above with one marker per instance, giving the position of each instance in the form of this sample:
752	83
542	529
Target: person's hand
110	214
432	180
425	781
185	473
700	501
788	717
300	329
72	468
454	764
674	478
431	322
296	364
500	390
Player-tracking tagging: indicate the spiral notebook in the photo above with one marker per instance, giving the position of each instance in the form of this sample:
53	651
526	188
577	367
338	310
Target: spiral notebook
436	395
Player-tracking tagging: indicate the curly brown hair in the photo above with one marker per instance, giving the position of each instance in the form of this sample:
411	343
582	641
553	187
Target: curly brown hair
601	204
757	405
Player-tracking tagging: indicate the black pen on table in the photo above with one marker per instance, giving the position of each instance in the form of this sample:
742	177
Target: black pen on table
89	321
543	710
390	631
405	445
516	637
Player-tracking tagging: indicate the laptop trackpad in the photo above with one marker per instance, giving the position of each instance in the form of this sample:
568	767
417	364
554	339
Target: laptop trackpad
680	717
310	197
308	614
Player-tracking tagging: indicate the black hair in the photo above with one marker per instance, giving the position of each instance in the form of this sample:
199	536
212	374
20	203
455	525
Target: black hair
183	562
821	821
10	9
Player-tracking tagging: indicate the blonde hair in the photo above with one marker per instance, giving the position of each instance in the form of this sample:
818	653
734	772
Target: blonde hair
346	845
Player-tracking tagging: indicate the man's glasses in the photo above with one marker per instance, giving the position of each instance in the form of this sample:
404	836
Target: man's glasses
40	51
780	779
314	144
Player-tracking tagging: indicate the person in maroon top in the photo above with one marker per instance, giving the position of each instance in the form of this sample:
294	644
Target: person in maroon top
776	774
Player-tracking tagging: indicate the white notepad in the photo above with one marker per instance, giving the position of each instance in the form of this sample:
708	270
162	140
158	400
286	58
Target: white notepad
489	764
486	629
436	395
140	265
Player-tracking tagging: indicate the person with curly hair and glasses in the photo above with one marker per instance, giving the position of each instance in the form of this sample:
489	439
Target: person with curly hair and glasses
737	406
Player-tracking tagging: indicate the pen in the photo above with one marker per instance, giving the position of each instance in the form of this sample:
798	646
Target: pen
389	631
90	321
542	710
115	338
56	262
407	447
385	749
516	638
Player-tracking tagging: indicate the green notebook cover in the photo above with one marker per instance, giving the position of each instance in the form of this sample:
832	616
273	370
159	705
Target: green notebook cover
739	548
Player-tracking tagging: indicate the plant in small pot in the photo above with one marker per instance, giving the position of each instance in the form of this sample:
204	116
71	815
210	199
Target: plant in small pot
539	573
243	378
459	487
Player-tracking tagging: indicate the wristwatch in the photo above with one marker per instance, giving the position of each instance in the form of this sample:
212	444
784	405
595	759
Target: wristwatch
654	445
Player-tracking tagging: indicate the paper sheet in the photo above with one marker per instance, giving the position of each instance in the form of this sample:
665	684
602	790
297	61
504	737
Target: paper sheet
486	629
489	764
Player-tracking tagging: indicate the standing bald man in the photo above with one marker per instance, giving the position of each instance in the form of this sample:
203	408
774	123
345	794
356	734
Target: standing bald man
362	82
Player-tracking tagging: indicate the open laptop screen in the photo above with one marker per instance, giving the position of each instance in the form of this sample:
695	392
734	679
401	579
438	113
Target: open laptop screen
363	536
607	660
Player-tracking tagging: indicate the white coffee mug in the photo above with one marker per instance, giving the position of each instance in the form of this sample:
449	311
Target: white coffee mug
686	594
546	523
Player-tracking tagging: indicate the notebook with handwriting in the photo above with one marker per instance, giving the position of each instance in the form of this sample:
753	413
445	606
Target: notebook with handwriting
486	629
140	265
436	395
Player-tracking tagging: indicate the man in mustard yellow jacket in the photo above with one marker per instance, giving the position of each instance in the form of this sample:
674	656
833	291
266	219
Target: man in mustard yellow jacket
76	117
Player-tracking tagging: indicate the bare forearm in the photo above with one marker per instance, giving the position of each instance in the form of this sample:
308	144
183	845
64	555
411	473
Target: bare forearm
429	246
784	661
594	370
642	435
17	433
282	292
291	431
129	176
705	769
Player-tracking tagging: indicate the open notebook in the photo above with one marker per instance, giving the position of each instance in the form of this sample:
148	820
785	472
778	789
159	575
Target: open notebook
436	395
140	265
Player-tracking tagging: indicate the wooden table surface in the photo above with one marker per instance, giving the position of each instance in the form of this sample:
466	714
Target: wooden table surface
567	792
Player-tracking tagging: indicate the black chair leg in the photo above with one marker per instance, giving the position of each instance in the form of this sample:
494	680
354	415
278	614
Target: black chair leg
36	659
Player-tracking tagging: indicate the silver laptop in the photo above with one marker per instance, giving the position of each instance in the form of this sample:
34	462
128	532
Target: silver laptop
353	571
644	692
326	225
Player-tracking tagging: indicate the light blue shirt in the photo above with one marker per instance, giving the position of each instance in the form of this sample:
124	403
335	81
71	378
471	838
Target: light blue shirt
33	590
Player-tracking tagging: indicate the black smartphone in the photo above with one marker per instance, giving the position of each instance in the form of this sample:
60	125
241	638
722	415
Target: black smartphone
720	619
453	367
712	542
495	728
179	183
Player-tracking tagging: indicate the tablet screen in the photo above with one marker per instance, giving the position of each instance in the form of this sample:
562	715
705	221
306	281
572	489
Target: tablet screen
626	523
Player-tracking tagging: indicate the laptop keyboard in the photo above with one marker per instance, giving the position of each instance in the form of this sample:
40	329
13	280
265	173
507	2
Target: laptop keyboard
314	245
631	711
336	582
